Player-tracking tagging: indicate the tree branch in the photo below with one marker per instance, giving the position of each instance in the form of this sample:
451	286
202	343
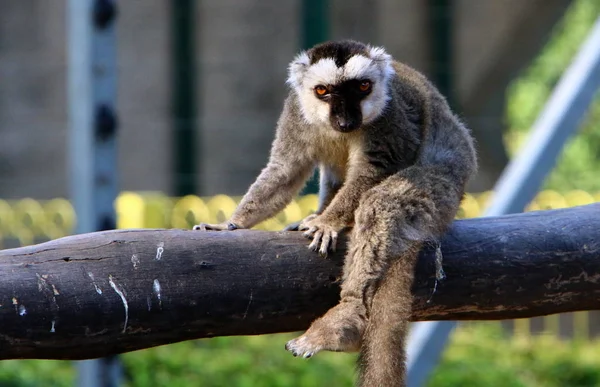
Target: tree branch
104	293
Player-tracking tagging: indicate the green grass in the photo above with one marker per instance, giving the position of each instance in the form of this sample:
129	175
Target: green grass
36	373
482	355
479	354
243	362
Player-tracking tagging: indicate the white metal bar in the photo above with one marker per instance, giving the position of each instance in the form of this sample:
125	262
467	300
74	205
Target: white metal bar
81	104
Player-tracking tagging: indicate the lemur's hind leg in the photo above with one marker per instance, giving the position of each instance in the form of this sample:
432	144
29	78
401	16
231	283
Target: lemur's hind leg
391	223
391	220
341	328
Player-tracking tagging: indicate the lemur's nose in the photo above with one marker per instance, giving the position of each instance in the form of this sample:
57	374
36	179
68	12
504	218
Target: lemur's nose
342	123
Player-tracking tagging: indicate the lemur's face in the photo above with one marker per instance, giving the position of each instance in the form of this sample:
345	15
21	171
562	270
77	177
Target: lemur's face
343	84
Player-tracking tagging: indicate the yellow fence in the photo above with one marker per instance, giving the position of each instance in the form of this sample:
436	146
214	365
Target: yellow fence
28	220
136	210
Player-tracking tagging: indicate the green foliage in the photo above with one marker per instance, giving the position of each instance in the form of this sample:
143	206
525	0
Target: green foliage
236	361
578	166
481	355
36	373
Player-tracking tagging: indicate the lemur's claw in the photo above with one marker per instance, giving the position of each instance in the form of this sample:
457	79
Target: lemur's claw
292	227
215	227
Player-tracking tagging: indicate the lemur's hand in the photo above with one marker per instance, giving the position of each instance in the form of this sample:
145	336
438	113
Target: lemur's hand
216	227
324	234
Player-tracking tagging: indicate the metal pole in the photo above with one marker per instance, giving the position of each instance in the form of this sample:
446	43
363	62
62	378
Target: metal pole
315	22
183	18
521	179
441	25
92	149
315	29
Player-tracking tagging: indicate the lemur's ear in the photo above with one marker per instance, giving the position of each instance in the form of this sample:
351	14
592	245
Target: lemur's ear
297	69
379	55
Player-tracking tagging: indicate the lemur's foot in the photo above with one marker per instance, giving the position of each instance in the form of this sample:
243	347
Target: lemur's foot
339	330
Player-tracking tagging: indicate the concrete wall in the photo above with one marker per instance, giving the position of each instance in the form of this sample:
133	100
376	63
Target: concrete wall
144	99
243	48
32	99
243	52
33	113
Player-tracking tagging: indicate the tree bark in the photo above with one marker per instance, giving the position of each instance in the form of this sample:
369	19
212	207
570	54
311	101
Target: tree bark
110	292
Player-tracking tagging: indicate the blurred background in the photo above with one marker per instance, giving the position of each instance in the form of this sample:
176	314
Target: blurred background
200	85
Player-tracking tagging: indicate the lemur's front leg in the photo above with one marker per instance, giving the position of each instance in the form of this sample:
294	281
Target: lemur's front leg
330	183
285	173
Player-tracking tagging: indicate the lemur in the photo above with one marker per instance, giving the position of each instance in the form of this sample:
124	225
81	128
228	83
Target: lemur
393	160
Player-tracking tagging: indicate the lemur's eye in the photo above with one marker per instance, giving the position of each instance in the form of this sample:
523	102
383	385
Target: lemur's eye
320	90
365	86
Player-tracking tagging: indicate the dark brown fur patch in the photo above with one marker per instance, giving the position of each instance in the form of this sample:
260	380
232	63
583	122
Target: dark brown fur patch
339	51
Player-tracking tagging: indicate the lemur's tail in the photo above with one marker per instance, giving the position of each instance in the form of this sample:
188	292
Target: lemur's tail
383	356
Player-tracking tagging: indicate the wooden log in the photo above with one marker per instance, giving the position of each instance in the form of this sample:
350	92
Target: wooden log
110	292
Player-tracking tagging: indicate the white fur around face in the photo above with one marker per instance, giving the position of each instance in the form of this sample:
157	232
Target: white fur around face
303	77
297	69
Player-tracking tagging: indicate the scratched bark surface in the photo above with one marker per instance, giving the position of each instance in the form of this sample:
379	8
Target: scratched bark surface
110	292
